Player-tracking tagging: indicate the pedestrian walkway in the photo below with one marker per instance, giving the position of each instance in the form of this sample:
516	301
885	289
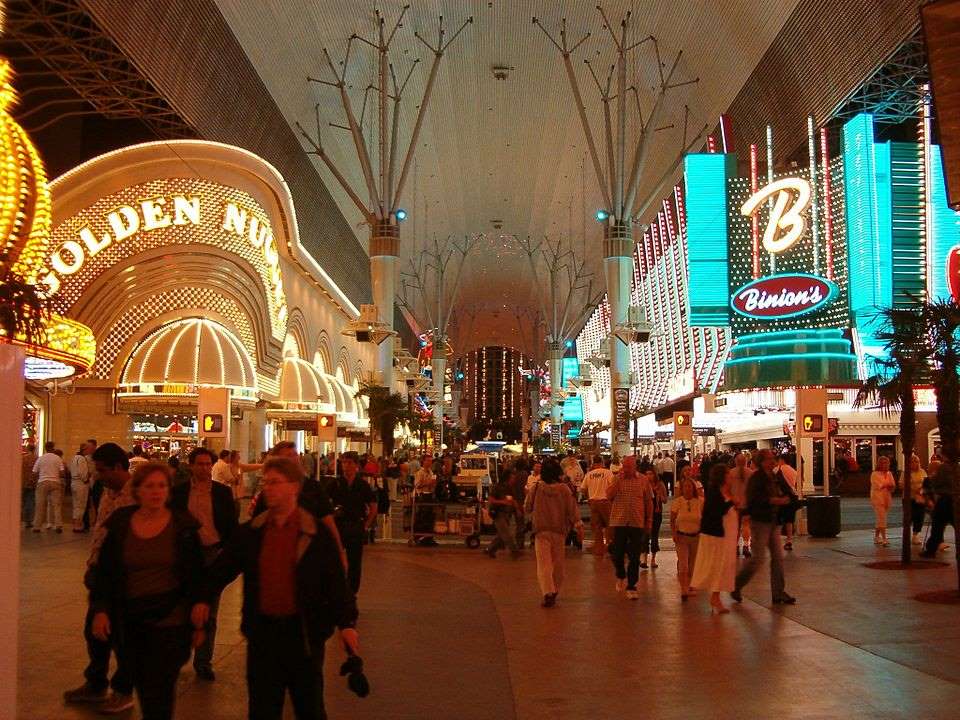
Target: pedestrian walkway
449	633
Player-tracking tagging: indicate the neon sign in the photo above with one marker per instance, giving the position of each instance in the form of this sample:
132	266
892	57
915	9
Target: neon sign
786	223
782	296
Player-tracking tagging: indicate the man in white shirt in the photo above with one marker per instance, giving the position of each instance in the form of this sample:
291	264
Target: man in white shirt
667	469
138	458
49	470
221	472
594	488
80	485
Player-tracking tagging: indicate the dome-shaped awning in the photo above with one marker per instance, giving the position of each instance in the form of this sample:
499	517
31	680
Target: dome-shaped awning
193	351
302	384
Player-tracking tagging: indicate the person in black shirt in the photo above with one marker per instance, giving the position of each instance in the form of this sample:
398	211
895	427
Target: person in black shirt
355	510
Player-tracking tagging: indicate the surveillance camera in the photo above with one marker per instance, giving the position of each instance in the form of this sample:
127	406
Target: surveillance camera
641	336
584	382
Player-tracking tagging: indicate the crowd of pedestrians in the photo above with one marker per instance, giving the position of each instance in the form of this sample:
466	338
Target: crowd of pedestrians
167	539
165	544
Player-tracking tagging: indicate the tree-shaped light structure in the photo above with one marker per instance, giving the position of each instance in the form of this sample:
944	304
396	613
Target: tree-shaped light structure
567	297
627	166
429	290
379	163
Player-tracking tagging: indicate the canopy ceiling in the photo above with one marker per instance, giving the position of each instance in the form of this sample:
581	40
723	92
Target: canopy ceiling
510	150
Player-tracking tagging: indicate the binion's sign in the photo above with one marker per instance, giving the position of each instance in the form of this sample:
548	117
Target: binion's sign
782	296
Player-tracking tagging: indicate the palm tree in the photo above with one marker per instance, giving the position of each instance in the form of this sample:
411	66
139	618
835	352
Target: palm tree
904	337
386	410
943	322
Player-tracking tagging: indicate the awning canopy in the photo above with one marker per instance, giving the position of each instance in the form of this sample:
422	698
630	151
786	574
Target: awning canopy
192	351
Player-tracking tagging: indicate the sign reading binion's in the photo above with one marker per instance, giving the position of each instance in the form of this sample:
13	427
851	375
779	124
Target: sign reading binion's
781	296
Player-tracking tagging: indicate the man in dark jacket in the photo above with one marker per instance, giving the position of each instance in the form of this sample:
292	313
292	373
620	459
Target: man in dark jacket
766	495
294	594
211	503
941	484
313	496
355	509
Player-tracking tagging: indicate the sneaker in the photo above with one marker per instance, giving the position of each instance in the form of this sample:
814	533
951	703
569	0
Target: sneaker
205	672
785	599
736	595
85	694
621	585
633	595
117	703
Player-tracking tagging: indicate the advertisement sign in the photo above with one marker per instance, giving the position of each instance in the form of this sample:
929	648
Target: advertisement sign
621	420
782	296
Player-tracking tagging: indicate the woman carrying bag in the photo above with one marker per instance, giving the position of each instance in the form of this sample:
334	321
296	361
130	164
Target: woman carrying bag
146	579
554	512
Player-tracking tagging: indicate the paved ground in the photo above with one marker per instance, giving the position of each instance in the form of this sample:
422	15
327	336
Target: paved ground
449	633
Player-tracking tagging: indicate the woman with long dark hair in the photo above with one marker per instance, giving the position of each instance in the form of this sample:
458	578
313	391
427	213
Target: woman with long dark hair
146	579
716	565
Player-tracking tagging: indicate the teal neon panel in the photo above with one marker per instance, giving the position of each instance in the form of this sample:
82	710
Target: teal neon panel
907	220
946	225
867	187
572	406
706	177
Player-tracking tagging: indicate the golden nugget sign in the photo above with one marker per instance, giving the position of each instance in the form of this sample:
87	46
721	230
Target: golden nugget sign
163	214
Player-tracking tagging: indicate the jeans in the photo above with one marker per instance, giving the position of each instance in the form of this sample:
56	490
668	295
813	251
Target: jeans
277	661
203	655
99	653
49	492
504	538
766	536
156	656
917	513
28	498
351	535
549	549
941	516
651	541
628	541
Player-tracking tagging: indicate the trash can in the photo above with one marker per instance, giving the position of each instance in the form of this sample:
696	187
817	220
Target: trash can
823	515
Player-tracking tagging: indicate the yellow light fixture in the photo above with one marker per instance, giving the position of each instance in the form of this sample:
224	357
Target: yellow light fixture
62	347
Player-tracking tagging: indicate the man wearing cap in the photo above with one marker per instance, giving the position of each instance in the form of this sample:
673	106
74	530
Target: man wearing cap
355	510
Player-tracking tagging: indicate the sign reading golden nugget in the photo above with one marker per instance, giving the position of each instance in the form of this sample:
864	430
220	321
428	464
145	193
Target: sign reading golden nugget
163	214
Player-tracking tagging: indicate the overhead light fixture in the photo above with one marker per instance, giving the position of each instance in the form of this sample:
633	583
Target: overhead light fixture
602	215
400	214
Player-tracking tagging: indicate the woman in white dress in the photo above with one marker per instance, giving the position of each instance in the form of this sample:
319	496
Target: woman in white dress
882	485
716	563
